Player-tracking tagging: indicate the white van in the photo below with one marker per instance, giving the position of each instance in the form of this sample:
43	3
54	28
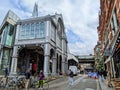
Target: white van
74	69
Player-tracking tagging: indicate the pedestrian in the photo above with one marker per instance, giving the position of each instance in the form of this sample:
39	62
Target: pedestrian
71	80
90	74
41	78
68	72
100	73
34	67
105	74
27	77
6	72
95	76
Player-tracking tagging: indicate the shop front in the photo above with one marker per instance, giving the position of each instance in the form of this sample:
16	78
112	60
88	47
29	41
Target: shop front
116	58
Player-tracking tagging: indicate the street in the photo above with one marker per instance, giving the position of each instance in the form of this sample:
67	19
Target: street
81	83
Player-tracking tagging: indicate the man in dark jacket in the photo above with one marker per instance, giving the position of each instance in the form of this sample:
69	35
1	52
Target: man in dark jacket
27	76
6	72
71	81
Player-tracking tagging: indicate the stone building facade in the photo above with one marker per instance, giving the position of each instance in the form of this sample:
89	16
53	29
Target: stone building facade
40	44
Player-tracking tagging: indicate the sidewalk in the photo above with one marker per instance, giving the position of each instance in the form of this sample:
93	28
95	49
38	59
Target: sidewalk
104	86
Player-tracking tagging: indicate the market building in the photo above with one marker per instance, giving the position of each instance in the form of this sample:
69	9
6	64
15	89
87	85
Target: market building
40	44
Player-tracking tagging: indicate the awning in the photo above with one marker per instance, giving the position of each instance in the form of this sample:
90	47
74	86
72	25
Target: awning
108	59
70	56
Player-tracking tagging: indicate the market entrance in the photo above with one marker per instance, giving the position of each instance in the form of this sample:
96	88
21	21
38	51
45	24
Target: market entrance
32	58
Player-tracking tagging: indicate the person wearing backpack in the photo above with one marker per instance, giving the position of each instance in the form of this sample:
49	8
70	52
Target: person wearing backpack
27	77
71	80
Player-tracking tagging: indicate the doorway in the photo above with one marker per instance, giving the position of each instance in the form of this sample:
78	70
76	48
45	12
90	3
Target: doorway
32	58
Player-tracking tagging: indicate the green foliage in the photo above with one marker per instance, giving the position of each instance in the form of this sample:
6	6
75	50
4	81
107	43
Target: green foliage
101	66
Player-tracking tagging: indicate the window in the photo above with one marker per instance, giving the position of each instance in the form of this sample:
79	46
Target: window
59	41
37	30
22	34
33	30
5	58
114	20
42	30
112	27
53	32
27	30
11	30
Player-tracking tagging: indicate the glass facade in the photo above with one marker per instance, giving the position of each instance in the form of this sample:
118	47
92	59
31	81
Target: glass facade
10	32
7	35
5	58
7	40
32	30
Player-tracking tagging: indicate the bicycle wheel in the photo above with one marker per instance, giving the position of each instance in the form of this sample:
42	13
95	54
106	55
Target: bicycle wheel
36	84
2	87
45	85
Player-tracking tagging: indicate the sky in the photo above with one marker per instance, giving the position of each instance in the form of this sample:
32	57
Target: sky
80	18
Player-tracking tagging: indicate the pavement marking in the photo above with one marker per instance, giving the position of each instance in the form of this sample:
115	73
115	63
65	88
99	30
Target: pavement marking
78	80
89	89
98	87
75	82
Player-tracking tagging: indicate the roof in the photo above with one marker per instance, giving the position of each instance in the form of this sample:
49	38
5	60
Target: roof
86	57
70	56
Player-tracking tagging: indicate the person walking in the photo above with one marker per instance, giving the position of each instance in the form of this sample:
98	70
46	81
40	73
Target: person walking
100	73
27	76
71	80
6	72
105	74
34	67
41	77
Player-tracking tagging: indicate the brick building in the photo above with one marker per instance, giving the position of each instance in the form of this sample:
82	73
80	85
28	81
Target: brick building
109	35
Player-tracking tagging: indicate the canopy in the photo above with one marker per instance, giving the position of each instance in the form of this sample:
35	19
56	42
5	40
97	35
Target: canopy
70	56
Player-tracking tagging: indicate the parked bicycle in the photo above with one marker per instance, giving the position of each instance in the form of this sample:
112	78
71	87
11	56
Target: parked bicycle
2	83
20	84
15	82
37	83
7	82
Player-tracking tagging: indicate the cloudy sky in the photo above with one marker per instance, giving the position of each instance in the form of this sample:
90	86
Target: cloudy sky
80	19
